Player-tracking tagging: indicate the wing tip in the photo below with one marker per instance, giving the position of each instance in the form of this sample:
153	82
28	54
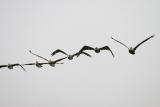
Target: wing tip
153	35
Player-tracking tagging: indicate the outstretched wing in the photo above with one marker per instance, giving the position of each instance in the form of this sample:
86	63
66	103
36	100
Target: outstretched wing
29	64
107	48
86	48
143	42
120	42
85	53
37	55
83	49
1	66
59	60
57	51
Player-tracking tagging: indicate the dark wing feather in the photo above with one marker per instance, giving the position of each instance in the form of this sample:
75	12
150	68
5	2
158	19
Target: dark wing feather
77	54
37	55
29	64
1	66
44	63
85	53
86	48
59	60
15	65
143	42
83	49
57	51
107	48
120	42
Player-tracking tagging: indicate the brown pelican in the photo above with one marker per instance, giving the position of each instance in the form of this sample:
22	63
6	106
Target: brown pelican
10	66
50	62
38	65
131	49
96	49
70	57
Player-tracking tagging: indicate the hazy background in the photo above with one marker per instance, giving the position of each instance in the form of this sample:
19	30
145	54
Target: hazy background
100	81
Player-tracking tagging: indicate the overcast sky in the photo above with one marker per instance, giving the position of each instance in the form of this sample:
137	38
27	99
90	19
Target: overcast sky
101	81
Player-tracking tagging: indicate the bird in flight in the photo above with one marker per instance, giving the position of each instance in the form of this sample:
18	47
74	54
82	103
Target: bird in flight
50	62
10	66
131	49
38	65
69	56
96	49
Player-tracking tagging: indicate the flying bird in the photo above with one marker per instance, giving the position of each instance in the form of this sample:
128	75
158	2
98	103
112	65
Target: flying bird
96	49
131	49
69	56
50	62
38	65
10	66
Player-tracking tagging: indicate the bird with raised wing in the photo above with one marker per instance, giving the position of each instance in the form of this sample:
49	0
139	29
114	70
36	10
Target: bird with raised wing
10	66
133	49
69	56
96	49
50	62
38	65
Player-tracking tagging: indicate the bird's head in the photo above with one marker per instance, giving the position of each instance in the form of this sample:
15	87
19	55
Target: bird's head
96	48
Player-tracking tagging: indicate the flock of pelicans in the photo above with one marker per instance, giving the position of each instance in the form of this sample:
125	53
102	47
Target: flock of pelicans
70	57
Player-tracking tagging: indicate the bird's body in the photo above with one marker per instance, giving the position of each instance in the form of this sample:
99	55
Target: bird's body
96	49
10	66
69	56
132	50
39	65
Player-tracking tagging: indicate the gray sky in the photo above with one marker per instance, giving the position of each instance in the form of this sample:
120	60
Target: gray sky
100	81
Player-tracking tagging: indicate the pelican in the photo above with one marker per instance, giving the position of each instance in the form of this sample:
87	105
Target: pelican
131	49
10	66
69	56
50	62
38	65
96	49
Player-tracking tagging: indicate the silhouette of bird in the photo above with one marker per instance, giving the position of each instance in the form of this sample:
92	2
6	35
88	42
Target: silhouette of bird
131	49
69	56
38	65
96	49
50	62
10	66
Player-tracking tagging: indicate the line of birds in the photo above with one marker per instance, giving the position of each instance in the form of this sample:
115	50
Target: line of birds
52	63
